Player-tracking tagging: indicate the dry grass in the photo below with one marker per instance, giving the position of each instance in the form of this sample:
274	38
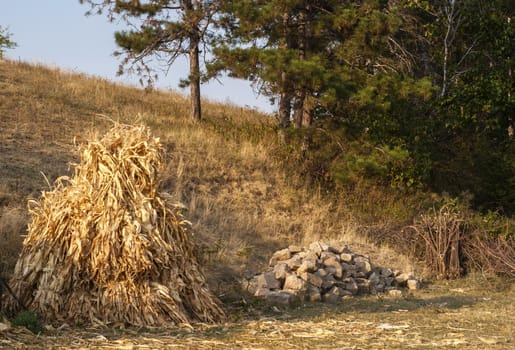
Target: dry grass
13	224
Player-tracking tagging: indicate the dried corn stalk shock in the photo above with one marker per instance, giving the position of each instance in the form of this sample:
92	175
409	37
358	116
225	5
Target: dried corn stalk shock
106	248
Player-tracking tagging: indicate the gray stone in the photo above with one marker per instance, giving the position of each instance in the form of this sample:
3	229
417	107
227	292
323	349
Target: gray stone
294	283
338	270
311	279
316	247
329	255
281	270
322	273
379	287
307	266
280	255
295	249
394	293
333	295
346	293
309	255
363	285
402	279
294	262
268	280
413	284
358	274
386	272
261	292
328	282
282	297
388	281
349	269
352	286
361	258
374	278
250	285
337	248
365	267
313	294
346	257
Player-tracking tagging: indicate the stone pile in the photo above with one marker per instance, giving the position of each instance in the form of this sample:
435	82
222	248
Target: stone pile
325	272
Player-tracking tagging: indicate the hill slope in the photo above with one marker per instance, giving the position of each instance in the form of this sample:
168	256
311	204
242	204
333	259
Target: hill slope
242	203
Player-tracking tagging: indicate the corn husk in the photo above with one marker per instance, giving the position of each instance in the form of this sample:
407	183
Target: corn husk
106	247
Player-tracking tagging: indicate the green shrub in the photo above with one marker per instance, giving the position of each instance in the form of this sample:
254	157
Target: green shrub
28	319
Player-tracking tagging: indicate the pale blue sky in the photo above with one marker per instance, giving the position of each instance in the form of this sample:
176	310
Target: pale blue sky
56	33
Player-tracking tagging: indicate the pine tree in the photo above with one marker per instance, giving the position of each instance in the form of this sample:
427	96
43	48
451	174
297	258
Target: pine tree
5	41
164	30
313	55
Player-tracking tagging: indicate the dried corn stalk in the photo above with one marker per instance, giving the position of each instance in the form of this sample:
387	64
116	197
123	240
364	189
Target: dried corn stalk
105	247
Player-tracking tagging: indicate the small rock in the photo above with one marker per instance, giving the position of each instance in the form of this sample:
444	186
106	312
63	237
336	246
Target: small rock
313	294
261	292
316	247
338	270
294	262
328	282
363	285
373	278
322	273
337	248
365	267
307	266
395	293
294	283
329	255
413	284
346	257
378	288
352	286
386	272
388	281
280	255
282	297
333	295
294	249
312	279
268	280
402	278
281	270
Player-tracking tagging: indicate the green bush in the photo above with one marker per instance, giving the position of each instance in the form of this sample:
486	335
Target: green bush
28	319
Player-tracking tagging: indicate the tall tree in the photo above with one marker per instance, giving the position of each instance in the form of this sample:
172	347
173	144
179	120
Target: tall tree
163	30
270	43
312	54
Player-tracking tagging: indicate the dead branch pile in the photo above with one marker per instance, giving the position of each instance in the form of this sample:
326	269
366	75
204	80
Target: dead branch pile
495	255
442	232
105	247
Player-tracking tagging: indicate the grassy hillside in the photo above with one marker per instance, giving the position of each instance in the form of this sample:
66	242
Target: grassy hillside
229	170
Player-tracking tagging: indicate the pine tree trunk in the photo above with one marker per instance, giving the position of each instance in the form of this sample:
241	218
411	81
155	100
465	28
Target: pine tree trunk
298	107
284	102
194	37
300	91
285	87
